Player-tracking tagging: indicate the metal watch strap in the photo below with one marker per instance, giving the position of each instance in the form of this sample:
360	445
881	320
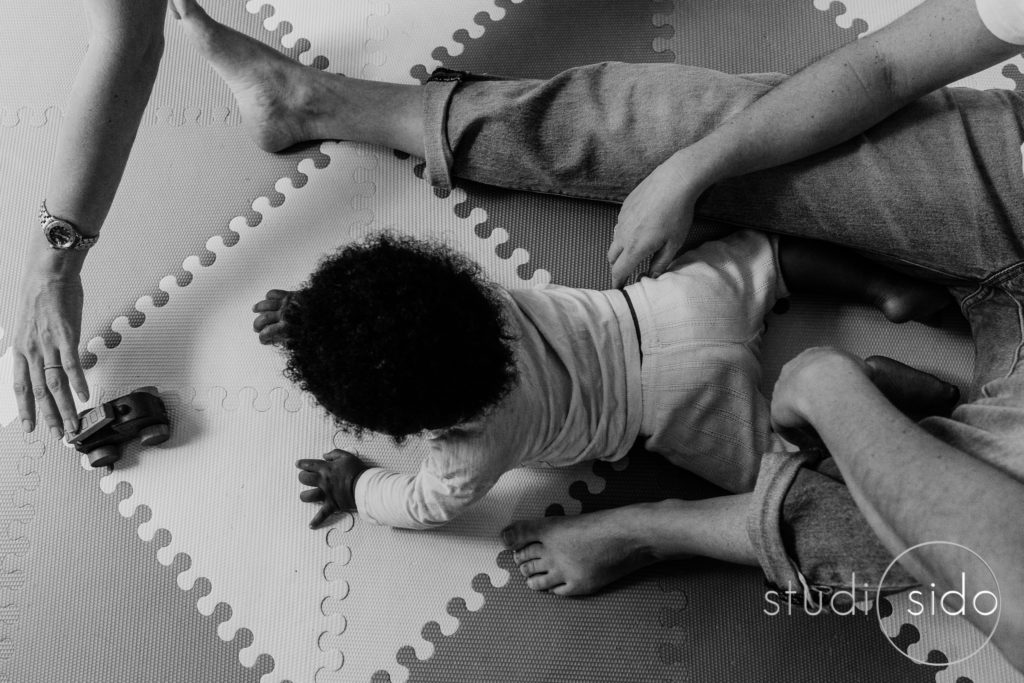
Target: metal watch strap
83	242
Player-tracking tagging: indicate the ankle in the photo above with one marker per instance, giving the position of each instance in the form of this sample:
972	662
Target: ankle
665	529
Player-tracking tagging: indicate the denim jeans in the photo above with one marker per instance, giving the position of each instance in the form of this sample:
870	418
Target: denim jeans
937	189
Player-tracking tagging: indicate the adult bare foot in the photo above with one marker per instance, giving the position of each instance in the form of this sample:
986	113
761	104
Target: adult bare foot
281	101
579	555
915	392
271	324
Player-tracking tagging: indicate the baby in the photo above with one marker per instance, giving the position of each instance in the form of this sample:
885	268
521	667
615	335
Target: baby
403	337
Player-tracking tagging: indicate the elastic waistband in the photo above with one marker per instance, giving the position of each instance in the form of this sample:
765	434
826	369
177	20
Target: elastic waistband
636	323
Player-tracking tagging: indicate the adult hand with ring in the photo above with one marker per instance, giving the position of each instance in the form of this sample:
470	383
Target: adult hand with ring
46	335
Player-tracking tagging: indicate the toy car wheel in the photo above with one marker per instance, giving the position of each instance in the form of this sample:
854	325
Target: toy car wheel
104	456
154	434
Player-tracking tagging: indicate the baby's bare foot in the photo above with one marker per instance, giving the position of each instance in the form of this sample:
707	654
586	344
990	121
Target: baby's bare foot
271	323
902	298
916	393
281	101
578	555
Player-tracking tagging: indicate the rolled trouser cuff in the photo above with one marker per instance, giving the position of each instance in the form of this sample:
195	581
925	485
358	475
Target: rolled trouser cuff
437	152
765	519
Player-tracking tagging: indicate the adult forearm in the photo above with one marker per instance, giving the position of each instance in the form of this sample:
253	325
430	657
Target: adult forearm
850	90
101	119
914	488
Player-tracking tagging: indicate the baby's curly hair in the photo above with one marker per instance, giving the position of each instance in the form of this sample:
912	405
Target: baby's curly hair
398	336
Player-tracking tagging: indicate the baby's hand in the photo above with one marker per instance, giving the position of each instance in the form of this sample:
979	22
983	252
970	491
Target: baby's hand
270	324
334	483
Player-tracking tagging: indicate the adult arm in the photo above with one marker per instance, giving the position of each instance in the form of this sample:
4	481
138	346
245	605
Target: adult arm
100	122
827	103
883	455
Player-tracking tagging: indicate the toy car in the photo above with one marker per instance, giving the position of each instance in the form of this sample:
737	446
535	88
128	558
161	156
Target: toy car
105	428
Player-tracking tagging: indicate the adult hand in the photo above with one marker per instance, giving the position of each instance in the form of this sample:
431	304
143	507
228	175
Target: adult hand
804	384
655	219
334	483
47	329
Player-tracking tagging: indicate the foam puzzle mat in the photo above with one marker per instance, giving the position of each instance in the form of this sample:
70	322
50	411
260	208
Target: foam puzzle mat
192	561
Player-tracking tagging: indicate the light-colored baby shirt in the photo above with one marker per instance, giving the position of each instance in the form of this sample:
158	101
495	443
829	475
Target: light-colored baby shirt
581	394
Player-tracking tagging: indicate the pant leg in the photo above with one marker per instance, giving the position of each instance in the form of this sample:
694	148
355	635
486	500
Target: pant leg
592	132
938	185
810	537
804	524
995	311
989	425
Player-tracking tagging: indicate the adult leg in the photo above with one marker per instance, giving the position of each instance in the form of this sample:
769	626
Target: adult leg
800	524
579	555
929	186
284	103
956	480
935	185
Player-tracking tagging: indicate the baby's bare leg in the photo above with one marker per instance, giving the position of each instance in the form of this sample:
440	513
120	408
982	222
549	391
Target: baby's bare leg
811	266
284	103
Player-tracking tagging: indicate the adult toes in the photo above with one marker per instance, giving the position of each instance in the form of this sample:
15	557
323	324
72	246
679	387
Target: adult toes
529	552
532	567
567	590
519	534
543	582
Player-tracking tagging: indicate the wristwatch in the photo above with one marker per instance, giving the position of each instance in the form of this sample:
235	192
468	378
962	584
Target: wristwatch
62	234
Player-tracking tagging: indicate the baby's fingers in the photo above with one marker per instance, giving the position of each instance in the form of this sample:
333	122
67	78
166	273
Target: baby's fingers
325	511
336	453
312	496
265	319
312	471
272	334
266	305
309	478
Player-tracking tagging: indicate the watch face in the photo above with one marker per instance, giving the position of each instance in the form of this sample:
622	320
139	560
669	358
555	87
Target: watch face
60	235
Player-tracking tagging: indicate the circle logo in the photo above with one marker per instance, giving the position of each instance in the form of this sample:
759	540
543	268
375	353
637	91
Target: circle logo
937	613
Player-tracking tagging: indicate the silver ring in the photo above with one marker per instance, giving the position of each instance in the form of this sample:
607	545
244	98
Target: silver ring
52	367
